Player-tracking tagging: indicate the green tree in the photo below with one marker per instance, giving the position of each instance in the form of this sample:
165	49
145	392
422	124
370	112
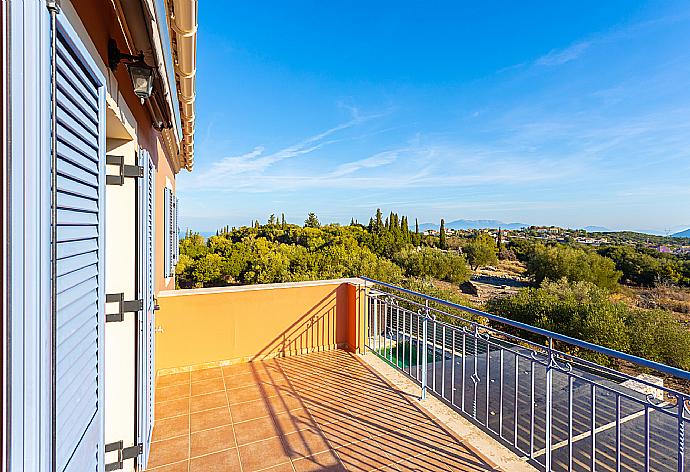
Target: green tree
378	225
580	310
312	221
442	236
481	251
432	262
574	264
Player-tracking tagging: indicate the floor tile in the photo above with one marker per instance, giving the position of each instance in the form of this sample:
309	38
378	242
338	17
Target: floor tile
236	369
363	455
223	461
284	467
241	380
206	374
169	451
171	408
460	457
172	379
207	386
325	461
262	454
305	443
294	420
283	403
207	401
255	430
210	419
212	440
171	427
422	463
344	432
325	410
249	410
250	393
177	467
173	392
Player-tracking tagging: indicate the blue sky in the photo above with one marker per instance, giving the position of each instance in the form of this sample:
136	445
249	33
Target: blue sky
565	113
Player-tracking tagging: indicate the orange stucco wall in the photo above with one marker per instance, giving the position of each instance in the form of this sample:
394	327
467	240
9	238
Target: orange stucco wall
239	324
101	23
164	173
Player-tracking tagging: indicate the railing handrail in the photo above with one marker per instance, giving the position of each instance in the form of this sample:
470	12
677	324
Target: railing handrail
663	368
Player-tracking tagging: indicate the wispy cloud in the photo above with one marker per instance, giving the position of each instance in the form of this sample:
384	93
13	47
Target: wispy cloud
557	57
256	161
560	56
377	160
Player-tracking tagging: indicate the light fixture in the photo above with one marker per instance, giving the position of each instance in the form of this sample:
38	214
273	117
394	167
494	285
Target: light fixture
140	72
142	80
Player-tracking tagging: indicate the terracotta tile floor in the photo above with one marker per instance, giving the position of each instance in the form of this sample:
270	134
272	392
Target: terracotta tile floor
323	411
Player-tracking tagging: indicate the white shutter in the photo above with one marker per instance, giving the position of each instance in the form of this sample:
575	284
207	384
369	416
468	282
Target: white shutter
167	224
79	321
146	370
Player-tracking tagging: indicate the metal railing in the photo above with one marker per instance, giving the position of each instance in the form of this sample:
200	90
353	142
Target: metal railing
563	412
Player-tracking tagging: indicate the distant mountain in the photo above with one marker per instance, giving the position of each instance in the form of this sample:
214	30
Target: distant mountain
474	224
596	229
682	234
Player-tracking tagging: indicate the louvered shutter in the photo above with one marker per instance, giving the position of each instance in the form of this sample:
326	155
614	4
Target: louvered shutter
167	223
177	230
146	326
79	320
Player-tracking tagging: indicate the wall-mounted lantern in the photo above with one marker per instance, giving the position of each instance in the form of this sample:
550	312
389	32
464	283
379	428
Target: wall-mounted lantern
140	72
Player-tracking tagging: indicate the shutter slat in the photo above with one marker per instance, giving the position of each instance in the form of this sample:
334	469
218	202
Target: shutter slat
75	248
67	139
79	218
68	201
70	82
68	185
76	233
87	105
71	346
75	311
78	110
73	283
66	120
70	264
69	166
67	59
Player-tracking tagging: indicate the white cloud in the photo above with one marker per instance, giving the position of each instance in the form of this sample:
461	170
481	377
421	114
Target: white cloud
557	57
377	160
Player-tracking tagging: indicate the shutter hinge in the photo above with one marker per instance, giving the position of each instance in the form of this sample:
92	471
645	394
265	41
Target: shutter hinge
123	454
123	305
126	170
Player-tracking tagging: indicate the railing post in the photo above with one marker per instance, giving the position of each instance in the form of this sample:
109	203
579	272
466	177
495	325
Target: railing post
425	350
548	406
376	341
681	432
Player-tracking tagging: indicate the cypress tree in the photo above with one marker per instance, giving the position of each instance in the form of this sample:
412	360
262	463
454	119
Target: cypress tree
442	237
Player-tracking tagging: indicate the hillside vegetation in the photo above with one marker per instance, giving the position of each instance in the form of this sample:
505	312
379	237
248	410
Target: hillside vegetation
575	290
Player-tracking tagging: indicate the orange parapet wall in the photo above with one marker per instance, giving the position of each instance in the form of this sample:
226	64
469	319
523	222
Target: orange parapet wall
216	326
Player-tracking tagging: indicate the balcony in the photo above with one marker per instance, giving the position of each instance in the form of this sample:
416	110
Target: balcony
358	375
